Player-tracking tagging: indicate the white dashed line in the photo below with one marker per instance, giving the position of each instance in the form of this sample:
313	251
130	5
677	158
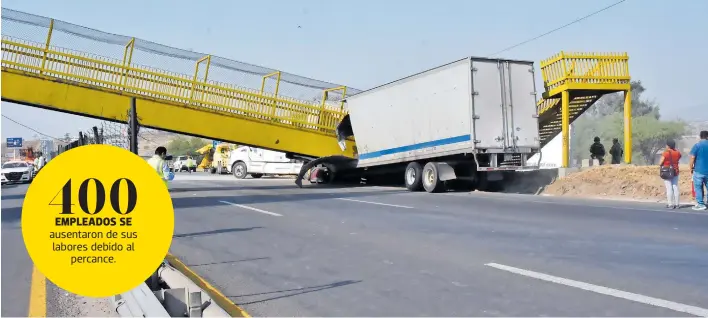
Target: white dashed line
693	310
377	203
251	208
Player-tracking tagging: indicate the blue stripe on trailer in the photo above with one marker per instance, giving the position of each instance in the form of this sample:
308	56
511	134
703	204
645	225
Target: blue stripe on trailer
418	146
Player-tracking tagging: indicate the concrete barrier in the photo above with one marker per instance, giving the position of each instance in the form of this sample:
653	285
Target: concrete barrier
172	292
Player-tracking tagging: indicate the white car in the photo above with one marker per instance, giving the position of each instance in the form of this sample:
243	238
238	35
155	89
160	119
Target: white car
17	171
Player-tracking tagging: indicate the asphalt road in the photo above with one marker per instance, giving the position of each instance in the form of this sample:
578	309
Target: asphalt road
17	268
281	251
277	250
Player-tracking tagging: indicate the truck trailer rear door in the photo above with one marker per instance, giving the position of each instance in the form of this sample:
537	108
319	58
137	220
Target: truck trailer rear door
504	105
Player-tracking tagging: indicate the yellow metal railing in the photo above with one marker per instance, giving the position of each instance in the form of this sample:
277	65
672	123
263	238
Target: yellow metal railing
44	60
585	68
544	104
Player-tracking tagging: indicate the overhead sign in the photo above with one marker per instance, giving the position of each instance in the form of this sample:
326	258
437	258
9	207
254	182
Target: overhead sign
15	142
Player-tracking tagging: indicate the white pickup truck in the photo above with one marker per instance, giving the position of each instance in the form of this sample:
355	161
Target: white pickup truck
256	162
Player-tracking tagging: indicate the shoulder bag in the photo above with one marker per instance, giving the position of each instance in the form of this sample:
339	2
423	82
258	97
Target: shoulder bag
668	173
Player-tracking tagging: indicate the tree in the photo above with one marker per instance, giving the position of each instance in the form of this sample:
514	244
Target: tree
185	145
614	103
605	119
650	135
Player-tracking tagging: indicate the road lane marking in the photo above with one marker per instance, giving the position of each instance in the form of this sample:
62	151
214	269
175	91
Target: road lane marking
38	294
693	310
377	203
251	208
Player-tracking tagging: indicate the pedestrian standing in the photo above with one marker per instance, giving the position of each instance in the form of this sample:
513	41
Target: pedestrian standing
616	151
669	171
597	151
699	168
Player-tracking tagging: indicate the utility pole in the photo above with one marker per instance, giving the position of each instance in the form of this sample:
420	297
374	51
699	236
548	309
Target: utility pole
133	126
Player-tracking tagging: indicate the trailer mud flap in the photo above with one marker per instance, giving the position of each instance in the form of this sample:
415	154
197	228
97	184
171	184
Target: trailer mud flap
445	172
334	163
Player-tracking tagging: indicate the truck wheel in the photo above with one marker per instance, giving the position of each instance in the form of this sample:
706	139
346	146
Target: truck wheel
256	175
431	179
239	170
212	170
413	177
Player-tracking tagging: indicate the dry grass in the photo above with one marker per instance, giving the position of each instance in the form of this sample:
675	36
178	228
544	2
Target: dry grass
620	181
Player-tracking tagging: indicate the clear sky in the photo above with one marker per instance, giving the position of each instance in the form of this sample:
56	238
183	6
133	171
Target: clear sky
366	43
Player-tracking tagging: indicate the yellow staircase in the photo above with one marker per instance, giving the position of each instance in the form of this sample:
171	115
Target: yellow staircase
574	82
45	64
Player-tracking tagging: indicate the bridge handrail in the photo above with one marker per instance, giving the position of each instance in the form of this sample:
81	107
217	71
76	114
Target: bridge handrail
28	24
300	102
585	68
112	74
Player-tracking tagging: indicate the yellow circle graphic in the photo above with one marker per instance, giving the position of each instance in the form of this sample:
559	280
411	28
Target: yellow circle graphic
97	220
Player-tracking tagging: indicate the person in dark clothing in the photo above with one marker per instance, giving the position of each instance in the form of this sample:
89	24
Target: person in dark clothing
616	151
597	151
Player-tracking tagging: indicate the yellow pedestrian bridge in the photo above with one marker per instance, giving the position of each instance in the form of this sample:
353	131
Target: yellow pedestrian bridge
60	66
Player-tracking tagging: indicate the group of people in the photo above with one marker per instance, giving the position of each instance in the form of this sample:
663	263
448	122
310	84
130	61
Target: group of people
39	162
597	151
698	165
669	165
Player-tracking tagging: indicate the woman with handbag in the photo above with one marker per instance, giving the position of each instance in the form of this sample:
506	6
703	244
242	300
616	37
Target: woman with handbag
669	171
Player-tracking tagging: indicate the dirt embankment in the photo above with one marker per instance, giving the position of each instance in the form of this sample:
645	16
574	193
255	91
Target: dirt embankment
621	182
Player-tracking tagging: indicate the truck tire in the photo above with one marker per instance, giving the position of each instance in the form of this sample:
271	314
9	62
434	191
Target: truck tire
256	175
239	170
414	177
431	179
212	170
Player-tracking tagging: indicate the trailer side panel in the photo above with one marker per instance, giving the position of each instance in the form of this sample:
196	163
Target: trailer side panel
422	116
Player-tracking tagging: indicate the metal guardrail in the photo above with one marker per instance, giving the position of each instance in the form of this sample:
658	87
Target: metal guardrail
167	293
139	302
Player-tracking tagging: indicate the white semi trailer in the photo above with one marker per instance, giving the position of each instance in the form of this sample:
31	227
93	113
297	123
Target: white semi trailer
473	120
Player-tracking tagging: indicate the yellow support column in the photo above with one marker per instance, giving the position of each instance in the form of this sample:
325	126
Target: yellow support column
628	126
565	126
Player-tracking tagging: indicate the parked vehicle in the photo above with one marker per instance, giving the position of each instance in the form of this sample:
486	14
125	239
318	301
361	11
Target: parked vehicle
180	164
